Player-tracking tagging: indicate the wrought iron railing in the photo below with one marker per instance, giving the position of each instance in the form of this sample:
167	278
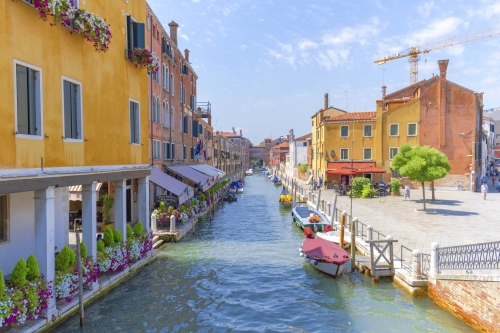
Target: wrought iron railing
483	256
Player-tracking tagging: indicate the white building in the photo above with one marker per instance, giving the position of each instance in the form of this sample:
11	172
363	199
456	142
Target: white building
298	154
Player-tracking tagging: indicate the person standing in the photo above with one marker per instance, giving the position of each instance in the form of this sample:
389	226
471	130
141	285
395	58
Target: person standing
407	192
320	181
484	190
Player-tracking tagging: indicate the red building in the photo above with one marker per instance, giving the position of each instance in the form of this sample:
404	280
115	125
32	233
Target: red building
277	154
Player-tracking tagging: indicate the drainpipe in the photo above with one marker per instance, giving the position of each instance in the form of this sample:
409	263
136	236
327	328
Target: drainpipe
151	91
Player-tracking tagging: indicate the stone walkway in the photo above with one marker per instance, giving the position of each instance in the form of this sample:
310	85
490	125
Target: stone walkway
461	217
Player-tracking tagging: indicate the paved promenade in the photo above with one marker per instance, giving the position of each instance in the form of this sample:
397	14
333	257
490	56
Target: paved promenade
461	217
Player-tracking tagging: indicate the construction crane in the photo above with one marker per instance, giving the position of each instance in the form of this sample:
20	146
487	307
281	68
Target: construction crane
415	51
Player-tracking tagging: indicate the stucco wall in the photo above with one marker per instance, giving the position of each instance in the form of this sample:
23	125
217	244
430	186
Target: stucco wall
21	231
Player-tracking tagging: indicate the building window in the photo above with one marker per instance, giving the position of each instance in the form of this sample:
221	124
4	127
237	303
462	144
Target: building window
135	34
184	152
304	144
393	151
367	153
412	129
367	131
72	110
165	78
393	129
156	149
166	150
172	84
134	123
192	153
166	115
344	131
172	149
4	218
28	100
172	115
344	153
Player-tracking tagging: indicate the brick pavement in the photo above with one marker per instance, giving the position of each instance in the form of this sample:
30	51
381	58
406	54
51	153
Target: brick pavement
461	217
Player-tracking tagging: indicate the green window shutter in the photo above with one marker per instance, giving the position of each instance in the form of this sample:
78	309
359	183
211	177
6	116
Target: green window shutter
173	151
22	99
67	109
132	125
136	123
32	102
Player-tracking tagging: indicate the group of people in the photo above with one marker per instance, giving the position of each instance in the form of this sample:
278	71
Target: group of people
316	184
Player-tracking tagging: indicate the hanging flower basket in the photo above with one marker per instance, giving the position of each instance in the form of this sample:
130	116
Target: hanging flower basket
144	58
80	21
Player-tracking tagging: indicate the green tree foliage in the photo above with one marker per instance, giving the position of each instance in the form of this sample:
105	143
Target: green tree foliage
117	236
162	206
18	276
33	269
170	209
108	237
182	209
368	191
65	258
100	246
395	185
83	250
71	254
2	285
138	228
108	201
421	163
202	197
357	186
303	168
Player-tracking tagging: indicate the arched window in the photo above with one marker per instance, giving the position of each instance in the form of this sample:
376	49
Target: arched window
166	114
172	84
153	110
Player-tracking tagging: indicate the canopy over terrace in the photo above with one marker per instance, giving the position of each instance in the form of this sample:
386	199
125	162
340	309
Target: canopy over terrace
345	168
75	192
178	188
196	177
203	168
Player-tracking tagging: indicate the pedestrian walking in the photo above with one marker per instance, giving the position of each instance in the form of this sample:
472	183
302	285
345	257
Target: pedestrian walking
407	192
320	180
484	190
498	185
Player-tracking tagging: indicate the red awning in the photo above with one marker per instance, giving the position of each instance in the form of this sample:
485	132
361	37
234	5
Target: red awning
344	168
342	172
370	170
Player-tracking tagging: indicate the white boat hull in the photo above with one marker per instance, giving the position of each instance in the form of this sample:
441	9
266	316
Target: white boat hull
334	236
331	269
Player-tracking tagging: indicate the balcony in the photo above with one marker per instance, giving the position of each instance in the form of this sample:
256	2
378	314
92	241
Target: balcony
204	109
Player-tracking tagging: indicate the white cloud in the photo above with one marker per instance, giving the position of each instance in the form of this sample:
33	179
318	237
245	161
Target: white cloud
489	79
243	47
196	1
332	58
455	50
306	44
486	12
352	34
426	8
183	36
434	31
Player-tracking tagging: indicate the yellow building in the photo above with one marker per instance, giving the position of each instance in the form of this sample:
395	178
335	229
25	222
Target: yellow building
73	119
368	139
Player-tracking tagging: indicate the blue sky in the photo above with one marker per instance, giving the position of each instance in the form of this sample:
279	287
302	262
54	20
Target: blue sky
265	65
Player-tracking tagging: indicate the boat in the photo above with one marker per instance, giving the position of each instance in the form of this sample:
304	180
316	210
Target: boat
305	216
228	196
236	187
249	172
276	181
324	255
334	237
285	198
265	171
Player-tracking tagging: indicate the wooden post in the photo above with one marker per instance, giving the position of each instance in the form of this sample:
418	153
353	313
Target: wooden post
334	210
353	243
318	199
342	227
80	280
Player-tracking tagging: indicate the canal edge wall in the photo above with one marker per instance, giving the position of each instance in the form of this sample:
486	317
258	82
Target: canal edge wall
89	297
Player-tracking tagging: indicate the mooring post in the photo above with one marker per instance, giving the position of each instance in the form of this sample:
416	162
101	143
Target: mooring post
342	227
318	199
369	233
80	280
353	243
172	223
334	209
154	226
434	259
416	266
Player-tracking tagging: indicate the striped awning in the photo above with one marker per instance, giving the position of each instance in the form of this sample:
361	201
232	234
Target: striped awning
78	188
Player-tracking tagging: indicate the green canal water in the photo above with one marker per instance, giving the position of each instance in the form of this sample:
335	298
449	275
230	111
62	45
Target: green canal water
242	272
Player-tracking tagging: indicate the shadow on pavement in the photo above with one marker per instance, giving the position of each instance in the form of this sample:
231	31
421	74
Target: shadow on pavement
440	202
454	212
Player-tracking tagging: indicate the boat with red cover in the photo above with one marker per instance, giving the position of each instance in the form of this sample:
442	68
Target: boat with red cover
324	255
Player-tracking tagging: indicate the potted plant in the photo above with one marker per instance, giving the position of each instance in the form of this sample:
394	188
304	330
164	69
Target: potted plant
395	186
108	201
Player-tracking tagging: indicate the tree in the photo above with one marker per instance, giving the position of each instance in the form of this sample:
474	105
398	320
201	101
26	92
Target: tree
421	163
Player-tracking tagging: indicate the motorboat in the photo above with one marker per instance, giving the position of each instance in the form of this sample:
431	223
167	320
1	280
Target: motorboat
305	216
249	172
334	237
285	198
276	181
236	187
228	196
324	255
265	171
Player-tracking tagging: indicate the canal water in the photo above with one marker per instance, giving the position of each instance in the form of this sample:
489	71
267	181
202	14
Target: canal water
242	272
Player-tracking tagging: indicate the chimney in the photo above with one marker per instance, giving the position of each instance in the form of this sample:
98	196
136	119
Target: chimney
186	55
443	66
241	133
234	131
325	103
384	90
173	31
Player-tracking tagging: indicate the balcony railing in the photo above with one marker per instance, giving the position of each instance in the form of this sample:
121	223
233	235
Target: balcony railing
204	109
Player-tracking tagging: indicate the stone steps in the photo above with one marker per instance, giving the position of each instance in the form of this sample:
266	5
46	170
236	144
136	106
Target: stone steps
157	242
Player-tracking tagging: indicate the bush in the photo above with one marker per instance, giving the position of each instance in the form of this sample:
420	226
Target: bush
63	259
18	276
108	237
368	192
130	232
33	269
72	255
395	185
303	168
357	186
202	197
2	285
182	209
170	209
138	228
162	206
100	246
117	236
83	250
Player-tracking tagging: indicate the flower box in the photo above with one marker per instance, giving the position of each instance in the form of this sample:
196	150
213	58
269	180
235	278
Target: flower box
143	58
